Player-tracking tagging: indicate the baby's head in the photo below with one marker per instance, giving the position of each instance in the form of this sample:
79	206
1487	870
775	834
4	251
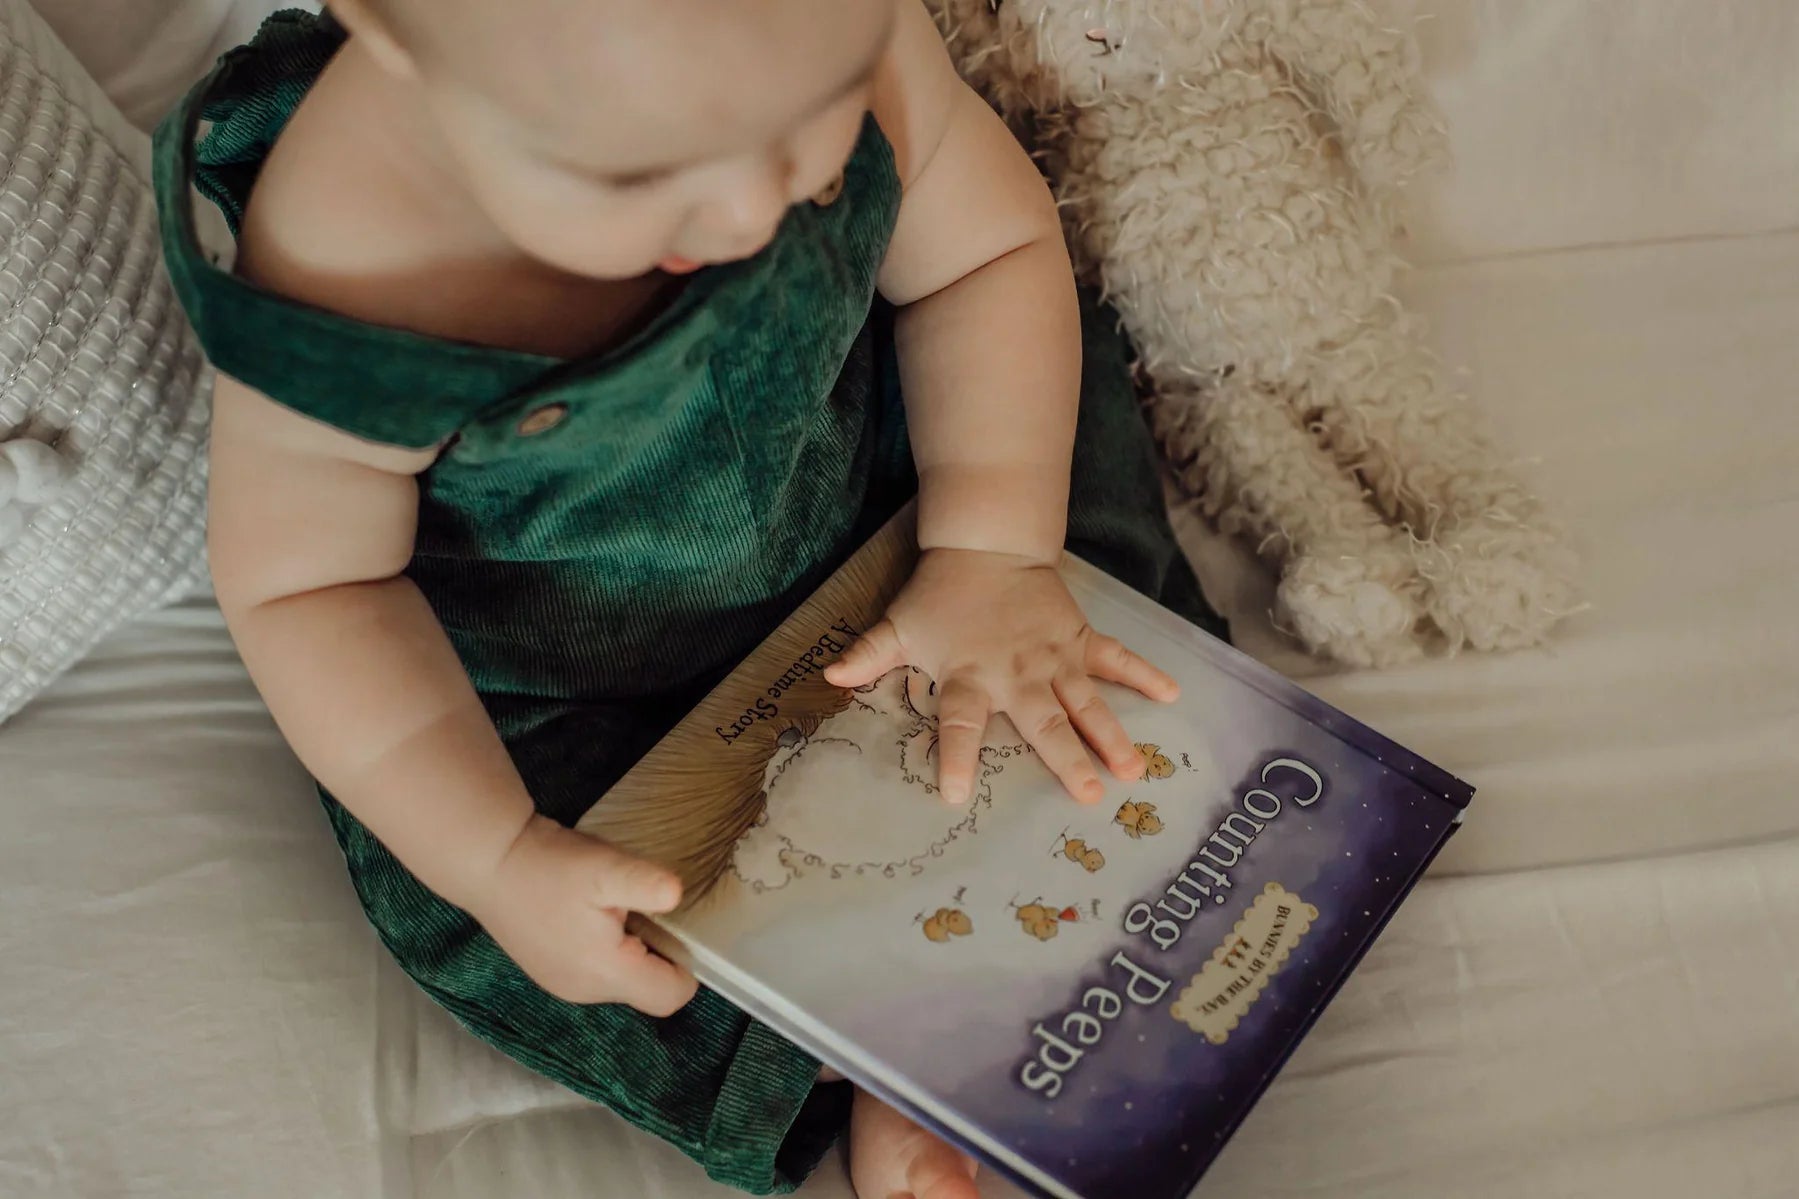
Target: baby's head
609	137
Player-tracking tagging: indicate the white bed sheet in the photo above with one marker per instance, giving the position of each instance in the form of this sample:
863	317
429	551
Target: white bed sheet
1595	994
1610	121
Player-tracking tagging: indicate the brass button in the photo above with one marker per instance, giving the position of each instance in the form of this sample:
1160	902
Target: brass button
827	195
542	420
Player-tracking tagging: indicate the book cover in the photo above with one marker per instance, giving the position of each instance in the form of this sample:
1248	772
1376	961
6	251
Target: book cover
1089	998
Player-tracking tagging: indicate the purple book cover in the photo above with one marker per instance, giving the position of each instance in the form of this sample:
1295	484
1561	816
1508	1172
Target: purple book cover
1088	998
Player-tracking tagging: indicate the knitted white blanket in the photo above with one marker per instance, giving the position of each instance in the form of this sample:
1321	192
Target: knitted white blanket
102	402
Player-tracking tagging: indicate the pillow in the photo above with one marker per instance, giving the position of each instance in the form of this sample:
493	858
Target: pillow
145	53
102	400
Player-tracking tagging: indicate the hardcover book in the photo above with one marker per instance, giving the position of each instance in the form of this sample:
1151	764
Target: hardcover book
1089	998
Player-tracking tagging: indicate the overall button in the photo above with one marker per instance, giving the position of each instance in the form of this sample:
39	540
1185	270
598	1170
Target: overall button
827	195
542	420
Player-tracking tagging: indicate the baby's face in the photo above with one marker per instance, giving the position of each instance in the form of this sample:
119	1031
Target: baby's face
612	137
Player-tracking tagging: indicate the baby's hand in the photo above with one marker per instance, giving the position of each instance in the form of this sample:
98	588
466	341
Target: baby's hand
1001	634
557	904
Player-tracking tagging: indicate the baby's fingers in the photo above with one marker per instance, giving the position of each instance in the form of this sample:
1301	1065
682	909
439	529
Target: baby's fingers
653	985
875	653
1043	720
618	880
1108	659
962	712
1097	724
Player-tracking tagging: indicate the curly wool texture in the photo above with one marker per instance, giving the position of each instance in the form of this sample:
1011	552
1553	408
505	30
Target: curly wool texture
1232	174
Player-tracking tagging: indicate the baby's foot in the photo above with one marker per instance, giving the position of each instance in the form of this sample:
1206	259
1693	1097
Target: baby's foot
893	1158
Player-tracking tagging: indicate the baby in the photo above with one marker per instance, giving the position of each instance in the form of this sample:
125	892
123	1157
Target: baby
568	345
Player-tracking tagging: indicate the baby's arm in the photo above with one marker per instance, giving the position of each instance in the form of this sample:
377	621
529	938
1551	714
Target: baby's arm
989	331
310	531
989	343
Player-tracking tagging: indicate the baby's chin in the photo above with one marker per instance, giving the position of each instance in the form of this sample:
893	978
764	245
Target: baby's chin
669	264
615	263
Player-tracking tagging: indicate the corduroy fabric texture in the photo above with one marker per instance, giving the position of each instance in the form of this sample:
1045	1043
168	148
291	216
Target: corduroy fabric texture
603	539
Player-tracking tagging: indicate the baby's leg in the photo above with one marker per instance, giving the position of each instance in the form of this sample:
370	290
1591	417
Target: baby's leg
892	1157
722	1088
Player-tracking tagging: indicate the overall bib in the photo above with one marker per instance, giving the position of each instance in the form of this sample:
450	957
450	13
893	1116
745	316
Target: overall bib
604	539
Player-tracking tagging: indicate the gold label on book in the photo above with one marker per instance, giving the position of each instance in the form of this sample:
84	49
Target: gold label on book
1224	990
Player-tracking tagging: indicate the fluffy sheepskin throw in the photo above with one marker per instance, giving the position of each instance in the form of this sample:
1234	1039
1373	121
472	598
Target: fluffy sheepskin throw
1232	174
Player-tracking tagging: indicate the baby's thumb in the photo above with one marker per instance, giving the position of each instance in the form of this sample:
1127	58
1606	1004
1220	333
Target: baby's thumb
653	985
622	881
874	654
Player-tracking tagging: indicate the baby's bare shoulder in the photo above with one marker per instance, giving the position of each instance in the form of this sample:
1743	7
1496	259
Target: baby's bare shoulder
916	90
329	222
355	214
